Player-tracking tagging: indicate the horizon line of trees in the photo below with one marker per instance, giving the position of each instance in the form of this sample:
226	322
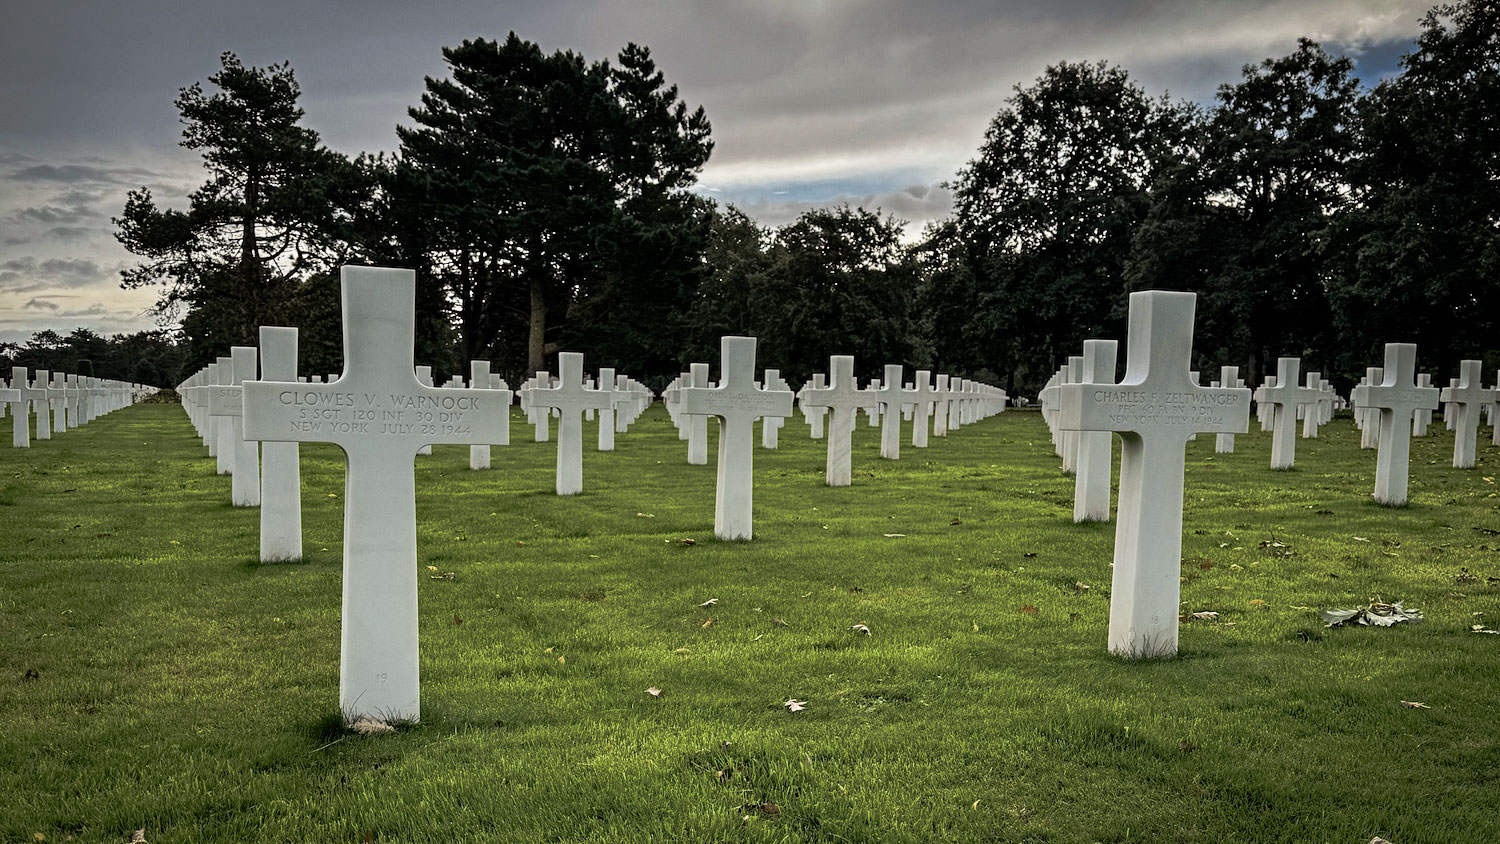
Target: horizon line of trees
545	202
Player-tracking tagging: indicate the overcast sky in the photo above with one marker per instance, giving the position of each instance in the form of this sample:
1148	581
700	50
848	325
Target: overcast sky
813	102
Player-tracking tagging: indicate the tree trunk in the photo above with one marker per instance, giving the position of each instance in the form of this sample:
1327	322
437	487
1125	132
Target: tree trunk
536	360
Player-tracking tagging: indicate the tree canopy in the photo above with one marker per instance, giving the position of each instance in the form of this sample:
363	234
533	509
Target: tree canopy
548	201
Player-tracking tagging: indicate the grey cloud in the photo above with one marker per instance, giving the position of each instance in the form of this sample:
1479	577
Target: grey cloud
52	214
41	304
63	173
25	275
914	206
76	267
95	311
67	233
79	196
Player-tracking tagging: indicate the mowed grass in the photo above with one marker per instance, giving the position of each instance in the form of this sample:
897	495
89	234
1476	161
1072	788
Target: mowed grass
153	675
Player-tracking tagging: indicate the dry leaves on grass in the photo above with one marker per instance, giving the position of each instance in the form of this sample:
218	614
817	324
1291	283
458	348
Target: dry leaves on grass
138	837
861	628
794	705
654	692
1027	610
765	809
1414	704
371	727
710	602
1377	614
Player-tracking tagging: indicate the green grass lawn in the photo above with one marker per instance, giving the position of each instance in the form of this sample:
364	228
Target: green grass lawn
153	675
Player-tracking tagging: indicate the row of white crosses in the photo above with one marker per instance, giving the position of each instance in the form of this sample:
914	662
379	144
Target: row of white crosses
831	405
1155	408
1156	417
1464	401
381	414
60	401
212	400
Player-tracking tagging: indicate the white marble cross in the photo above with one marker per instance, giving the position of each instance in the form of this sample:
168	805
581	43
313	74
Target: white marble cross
891	396
571	398
923	401
957	418
223	432
226	402
941	397
1397	398
1423	417
1313	416
1284	398
75	401
1263	409
1229	376
1072	374
26	395
606	440
814	415
41	383
625	399
737	404
280	462
57	391
697	426
480	378
1154	409
1369	429
1095	448
380	415
770	426
1467	396
844	399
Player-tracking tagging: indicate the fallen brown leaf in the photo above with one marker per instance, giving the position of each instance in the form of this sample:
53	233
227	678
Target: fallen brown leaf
371	727
1027	610
1413	704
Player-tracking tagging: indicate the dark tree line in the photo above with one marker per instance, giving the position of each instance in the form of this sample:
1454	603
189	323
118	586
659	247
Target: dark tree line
546	202
146	357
